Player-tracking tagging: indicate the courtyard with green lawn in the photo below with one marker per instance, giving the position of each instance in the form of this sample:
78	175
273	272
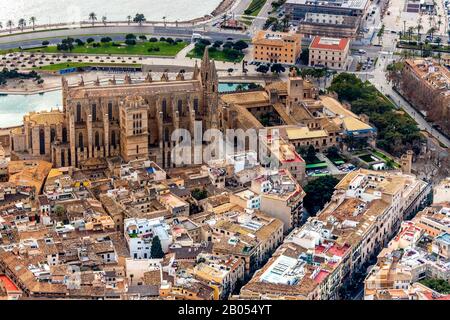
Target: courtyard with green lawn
159	48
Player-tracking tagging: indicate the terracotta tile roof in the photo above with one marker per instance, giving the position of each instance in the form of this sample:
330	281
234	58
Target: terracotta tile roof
329	43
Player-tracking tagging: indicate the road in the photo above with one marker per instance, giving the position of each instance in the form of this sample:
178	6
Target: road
380	82
116	33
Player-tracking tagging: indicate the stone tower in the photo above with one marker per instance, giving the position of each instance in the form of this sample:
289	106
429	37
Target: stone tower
210	84
406	162
295	91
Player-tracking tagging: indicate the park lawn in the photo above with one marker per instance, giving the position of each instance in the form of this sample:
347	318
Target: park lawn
385	158
255	7
217	55
65	65
140	48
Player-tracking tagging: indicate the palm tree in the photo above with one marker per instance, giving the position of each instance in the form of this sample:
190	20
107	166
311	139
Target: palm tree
92	17
419	26
431	32
410	31
22	23
164	19
10	24
129	19
104	20
33	21
139	18
438	40
1	25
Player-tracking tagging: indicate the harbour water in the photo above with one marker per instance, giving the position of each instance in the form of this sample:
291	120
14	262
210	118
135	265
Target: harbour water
14	106
57	11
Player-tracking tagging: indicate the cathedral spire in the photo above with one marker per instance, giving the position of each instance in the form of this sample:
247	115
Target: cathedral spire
127	79
148	78
205	60
196	71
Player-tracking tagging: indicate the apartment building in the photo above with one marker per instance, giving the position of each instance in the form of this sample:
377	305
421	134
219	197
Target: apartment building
327	52
420	250
317	258
277	47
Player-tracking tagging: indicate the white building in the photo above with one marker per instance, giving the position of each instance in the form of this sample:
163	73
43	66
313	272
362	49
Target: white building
139	233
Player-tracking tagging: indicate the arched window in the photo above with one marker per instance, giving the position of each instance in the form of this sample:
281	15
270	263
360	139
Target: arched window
110	111
94	112
180	106
164	108
97	140
78	112
80	141
63	159
52	135
166	135
113	139
64	135
196	105
41	141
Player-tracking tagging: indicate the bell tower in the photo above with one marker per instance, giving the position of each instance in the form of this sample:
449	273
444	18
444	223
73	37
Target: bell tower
210	85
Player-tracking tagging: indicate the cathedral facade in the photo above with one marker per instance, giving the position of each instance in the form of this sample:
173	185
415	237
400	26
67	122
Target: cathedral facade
130	120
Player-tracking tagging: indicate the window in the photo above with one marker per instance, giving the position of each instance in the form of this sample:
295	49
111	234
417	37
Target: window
41	141
94	112
180	106
78	112
110	111
97	140
196	105
80	141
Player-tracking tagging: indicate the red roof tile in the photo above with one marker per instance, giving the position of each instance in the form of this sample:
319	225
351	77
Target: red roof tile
317	44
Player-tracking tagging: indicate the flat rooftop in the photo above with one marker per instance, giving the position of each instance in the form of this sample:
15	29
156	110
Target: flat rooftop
351	4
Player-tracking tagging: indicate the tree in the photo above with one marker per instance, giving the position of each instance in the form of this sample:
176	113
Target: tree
105	40
277	68
262	68
310	153
217	44
156	249
10	24
104	20
142	37
199	194
439	285
130	36
139	18
130	42
79	42
153	39
304	56
230	71
333	152
240	45
33	21
90	40
318	193
59	211
129	19
21	24
92	17
45	43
